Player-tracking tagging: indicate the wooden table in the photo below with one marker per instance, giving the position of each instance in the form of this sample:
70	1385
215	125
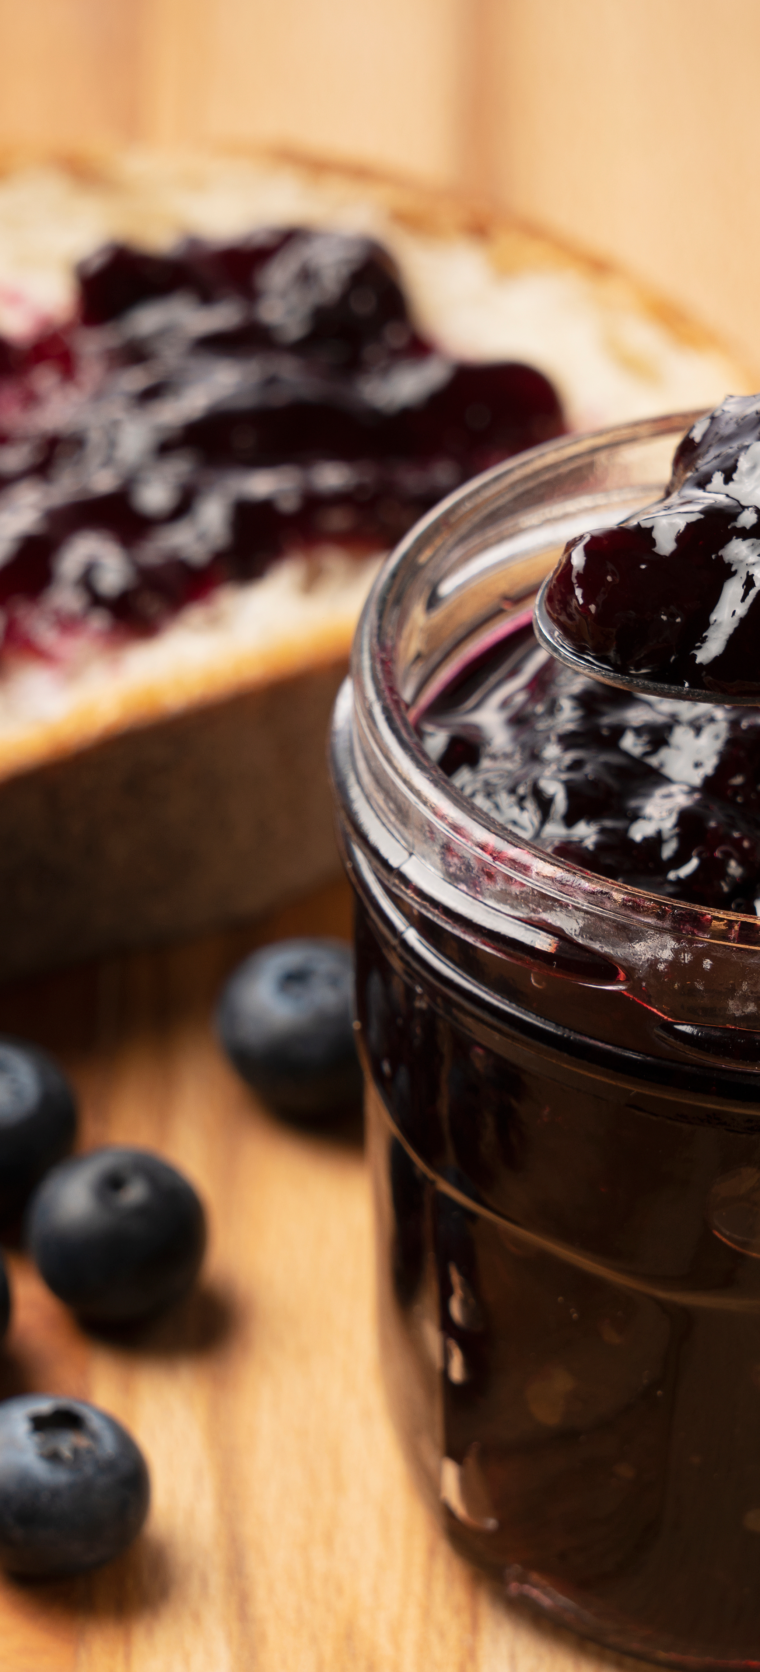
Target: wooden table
285	1534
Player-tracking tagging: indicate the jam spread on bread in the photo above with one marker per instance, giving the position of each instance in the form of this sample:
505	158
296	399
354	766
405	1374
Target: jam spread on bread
661	793
211	410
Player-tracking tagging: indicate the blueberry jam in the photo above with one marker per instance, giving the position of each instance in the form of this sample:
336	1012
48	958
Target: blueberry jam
673	594
654	792
557	995
569	1286
74	1486
569	1295
213	408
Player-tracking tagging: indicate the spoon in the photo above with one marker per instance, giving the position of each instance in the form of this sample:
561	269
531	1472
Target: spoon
677	585
552	639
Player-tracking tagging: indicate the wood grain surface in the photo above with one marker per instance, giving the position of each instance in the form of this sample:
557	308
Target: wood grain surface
629	129
285	1535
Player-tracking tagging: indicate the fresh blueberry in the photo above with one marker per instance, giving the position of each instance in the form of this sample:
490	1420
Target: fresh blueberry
117	1234
285	1020
74	1487
37	1120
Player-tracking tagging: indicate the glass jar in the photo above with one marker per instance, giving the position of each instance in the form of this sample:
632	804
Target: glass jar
563	1099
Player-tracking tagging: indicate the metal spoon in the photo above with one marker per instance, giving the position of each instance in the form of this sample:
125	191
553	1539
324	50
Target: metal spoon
552	640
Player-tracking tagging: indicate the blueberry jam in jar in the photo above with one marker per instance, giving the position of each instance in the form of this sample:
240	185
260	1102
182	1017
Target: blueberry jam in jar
561	1046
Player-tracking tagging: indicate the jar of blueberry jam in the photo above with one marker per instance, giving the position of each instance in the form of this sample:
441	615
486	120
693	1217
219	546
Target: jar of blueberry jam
558	968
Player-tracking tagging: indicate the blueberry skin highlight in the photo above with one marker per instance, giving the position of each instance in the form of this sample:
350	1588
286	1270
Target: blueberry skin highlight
37	1120
74	1487
285	1020
117	1234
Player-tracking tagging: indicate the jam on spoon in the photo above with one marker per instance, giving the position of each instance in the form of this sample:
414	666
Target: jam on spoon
215	408
668	602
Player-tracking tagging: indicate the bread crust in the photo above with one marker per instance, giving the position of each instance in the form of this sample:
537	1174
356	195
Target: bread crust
198	818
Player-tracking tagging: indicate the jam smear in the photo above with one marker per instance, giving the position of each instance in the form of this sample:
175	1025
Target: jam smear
659	793
214	408
673	594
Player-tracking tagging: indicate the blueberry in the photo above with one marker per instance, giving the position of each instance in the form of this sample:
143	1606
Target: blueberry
37	1120
117	1234
285	1020
74	1487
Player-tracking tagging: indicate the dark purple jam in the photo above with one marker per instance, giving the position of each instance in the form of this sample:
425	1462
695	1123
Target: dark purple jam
654	792
212	409
564	1121
673	594
569	1296
568	1176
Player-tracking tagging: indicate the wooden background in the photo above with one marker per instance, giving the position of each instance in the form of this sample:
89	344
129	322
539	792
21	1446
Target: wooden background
285	1533
629	127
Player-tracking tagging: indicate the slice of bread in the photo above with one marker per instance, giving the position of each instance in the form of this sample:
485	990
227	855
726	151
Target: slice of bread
163	785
